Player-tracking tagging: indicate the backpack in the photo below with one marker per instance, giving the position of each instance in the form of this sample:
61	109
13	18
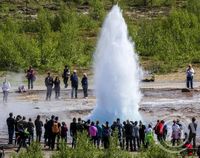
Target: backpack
55	128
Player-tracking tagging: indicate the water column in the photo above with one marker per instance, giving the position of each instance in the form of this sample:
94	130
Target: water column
116	72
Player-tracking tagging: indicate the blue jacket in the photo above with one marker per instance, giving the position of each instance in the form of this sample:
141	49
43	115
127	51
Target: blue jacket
74	80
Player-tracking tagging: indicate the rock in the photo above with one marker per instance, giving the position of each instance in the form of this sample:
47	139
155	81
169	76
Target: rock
148	80
51	6
186	90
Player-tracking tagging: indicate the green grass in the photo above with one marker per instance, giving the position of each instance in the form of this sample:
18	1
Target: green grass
86	149
67	35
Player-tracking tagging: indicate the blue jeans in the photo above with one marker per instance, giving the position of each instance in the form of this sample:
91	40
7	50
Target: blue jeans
57	92
49	90
85	93
30	83
190	82
5	96
11	134
74	90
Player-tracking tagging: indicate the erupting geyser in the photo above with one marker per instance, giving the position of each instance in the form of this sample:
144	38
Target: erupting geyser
116	72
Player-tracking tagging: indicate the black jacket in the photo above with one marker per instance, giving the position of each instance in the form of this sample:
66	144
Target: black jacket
49	81
73	129
84	82
57	84
38	125
128	130
11	123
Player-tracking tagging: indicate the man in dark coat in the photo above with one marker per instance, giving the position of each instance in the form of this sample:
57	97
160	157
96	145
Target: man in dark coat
30	75
74	84
11	127
30	128
65	75
128	133
49	85
142	133
49	132
38	128
192	132
84	82
73	132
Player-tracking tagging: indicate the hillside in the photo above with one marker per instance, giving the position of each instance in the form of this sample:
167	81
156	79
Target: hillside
49	34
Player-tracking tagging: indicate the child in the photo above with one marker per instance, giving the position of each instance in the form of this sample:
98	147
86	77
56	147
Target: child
64	130
21	88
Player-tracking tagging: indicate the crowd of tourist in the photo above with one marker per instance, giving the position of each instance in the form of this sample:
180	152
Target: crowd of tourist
51	84
131	135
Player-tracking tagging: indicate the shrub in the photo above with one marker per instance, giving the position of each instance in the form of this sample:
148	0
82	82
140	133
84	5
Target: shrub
34	151
154	151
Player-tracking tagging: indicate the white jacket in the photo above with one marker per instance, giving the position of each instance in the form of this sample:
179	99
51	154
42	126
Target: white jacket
6	86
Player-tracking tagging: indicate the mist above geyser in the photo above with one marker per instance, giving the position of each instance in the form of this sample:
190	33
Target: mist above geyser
116	72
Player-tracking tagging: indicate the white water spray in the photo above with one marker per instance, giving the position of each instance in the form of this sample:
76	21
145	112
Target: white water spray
117	73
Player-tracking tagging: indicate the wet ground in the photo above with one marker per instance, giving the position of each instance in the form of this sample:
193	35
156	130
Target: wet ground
161	100
157	103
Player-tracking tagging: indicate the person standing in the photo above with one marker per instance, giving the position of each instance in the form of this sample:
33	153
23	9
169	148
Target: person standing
73	132
65	75
22	136
120	133
160	130
17	123
192	132
5	88
46	132
84	82
142	129
136	138
38	128
189	76
175	133
165	131
128	133
149	136
30	128
93	132
30	75
23	122
49	85
64	130
106	133
56	129
57	87
11	127
99	134
49	132
156	129
80	126
74	84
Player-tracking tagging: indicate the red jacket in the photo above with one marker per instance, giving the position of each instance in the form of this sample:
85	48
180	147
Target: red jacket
189	149
160	128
